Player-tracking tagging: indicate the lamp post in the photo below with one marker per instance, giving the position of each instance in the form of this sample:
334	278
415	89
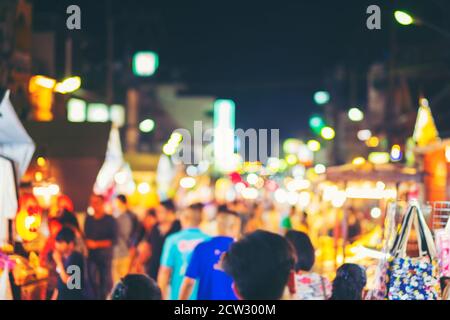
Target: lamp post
406	19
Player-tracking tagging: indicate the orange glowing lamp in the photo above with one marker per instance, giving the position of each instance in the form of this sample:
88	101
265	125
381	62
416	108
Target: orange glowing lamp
29	217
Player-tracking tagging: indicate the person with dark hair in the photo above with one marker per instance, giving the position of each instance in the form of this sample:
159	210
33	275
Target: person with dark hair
67	260
260	265
138	253
101	233
68	219
177	251
349	282
127	227
136	287
204	269
45	257
167	224
307	285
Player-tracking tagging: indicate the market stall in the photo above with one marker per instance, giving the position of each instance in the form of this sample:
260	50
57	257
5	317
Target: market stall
16	150
355	197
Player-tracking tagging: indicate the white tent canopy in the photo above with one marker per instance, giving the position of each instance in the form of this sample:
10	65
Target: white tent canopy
16	149
114	164
15	143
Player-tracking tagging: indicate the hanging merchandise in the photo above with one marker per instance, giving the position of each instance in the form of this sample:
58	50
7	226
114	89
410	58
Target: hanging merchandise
413	278
8	197
442	237
378	292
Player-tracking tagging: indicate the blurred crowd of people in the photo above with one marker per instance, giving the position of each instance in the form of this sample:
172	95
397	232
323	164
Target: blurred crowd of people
224	251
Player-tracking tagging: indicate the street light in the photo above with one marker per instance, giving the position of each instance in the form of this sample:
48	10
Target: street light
145	63
316	123
147	125
356	115
403	18
406	19
321	97
68	85
328	133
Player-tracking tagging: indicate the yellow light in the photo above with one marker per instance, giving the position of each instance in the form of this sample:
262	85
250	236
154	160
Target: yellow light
447	153
396	153
358	161
313	145
68	85
375	213
41	161
380	185
379	157
370	193
328	133
38	176
373	142
43	81
143	188
176	137
338	199
169	149
187	182
291	159
403	18
320	168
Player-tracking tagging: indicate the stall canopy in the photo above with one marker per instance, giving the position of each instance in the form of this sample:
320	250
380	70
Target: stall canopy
370	172
15	143
115	172
16	150
76	152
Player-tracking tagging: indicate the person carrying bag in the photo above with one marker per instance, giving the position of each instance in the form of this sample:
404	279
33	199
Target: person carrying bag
413	278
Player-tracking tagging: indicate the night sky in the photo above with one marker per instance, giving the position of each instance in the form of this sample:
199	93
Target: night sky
269	56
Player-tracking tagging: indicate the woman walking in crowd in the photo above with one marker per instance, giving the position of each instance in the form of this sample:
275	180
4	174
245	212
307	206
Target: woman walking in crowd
307	284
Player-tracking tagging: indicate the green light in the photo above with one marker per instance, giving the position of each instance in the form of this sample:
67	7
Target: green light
321	97
145	63
316	123
76	110
147	125
403	18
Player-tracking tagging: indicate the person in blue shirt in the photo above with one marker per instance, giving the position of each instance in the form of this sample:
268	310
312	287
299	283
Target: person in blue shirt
177	252
204	268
